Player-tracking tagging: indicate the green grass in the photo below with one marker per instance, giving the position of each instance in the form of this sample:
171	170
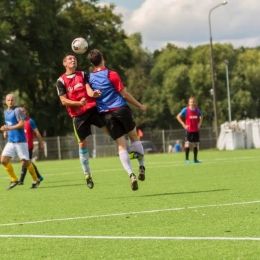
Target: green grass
179	212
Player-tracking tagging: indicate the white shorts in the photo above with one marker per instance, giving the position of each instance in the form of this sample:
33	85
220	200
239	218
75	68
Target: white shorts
19	149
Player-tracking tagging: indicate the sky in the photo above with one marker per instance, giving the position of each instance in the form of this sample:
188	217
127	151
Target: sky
186	22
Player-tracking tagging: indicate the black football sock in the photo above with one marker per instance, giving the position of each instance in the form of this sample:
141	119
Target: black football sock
23	174
187	151
195	151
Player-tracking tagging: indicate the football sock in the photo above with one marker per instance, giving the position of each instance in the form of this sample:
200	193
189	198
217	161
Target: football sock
124	158
187	151
83	157
195	151
31	170
23	173
10	170
138	147
36	170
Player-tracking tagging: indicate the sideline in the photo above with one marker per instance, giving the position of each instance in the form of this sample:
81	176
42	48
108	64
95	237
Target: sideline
135	238
131	213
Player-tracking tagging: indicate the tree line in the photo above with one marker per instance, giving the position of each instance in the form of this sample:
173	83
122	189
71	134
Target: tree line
35	35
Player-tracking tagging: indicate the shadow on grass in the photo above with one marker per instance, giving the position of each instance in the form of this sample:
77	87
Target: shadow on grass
171	193
56	181
185	192
61	186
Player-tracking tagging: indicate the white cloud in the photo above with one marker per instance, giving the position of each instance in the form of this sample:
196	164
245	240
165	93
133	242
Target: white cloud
185	22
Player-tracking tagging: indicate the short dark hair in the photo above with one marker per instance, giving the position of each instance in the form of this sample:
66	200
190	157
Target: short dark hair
68	54
95	57
23	106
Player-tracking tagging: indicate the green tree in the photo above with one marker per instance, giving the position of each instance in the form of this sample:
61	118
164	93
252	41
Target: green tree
168	83
35	36
137	76
248	79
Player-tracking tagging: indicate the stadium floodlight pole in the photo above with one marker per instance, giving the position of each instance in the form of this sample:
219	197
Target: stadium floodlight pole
228	92
213	71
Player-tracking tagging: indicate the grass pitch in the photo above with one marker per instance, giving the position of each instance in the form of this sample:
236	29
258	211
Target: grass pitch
198	211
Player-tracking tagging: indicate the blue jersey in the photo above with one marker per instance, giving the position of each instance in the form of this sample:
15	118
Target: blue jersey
12	117
184	112
110	98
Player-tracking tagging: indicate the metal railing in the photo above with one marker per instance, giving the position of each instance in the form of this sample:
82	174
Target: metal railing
101	145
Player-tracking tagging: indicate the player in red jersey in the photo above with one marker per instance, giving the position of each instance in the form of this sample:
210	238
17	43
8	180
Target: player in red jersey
30	129
193	121
71	87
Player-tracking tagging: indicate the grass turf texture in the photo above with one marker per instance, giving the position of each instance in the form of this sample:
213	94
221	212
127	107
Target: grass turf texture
179	212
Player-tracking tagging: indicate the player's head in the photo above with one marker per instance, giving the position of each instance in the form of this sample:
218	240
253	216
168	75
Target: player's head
24	110
10	100
95	57
70	61
192	101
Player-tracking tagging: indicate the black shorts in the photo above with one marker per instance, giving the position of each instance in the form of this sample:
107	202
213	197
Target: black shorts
82	124
119	122
192	137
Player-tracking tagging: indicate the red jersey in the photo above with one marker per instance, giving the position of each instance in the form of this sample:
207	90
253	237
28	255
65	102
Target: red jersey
192	119
75	91
28	132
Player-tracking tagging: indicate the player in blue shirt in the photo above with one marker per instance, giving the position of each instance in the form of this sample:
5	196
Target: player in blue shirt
17	144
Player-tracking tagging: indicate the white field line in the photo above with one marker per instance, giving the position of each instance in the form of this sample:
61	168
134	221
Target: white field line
129	213
134	238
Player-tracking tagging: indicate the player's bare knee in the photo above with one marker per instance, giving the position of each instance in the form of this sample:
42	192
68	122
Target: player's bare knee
25	163
4	161
134	138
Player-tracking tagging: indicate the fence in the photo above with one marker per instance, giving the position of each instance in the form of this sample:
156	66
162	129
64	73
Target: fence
101	145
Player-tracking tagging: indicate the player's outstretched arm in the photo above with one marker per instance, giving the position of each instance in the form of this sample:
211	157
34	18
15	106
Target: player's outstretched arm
129	98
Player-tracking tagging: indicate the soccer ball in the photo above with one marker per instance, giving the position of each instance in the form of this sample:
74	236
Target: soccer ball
79	45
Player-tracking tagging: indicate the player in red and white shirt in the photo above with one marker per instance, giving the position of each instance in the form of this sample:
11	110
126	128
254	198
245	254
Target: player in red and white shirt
71	88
